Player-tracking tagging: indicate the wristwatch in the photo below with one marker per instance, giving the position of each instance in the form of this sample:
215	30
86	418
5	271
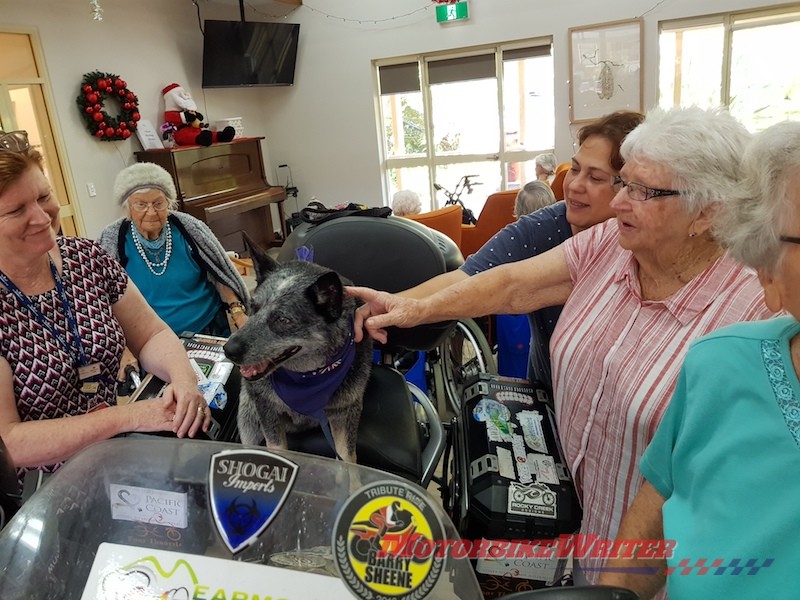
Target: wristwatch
234	308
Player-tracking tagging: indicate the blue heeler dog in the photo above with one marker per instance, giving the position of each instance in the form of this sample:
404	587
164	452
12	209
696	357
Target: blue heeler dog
299	363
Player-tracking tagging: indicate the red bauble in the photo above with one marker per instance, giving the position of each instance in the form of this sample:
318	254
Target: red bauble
131	96
87	88
89	109
136	116
109	131
126	134
97	117
97	108
92	98
101	84
119	83
123	125
99	133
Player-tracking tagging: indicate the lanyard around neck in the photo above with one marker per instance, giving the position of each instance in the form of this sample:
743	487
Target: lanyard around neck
74	349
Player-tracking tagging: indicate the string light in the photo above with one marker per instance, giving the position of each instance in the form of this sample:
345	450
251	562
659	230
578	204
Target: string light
368	21
97	11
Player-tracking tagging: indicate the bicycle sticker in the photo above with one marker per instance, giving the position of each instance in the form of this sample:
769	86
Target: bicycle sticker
534	500
531	423
544	467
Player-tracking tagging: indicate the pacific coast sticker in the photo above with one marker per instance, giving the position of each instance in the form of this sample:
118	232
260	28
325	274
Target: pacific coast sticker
384	542
247	488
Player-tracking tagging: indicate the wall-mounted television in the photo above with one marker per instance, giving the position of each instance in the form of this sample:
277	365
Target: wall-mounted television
242	53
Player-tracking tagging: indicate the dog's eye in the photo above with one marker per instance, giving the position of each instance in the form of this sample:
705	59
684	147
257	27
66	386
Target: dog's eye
281	320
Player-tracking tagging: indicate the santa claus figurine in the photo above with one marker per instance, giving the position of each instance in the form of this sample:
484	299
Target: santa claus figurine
181	111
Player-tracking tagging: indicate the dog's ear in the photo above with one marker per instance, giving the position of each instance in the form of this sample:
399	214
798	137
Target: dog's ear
326	294
263	264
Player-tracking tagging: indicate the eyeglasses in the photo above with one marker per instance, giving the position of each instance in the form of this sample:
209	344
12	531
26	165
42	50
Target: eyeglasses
141	207
641	193
14	141
790	239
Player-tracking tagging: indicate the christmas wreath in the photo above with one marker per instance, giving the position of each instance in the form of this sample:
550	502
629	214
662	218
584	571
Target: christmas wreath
95	88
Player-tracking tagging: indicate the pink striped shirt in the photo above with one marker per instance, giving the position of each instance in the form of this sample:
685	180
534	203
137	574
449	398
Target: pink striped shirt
616	359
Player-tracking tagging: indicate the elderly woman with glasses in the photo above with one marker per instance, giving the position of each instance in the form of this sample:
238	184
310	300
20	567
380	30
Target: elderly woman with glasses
637	290
67	311
175	260
721	470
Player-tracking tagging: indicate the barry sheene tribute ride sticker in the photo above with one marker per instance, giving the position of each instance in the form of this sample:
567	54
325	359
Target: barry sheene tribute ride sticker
247	488
387	543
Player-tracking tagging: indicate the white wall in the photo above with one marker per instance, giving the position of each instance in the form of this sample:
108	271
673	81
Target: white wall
149	43
324	127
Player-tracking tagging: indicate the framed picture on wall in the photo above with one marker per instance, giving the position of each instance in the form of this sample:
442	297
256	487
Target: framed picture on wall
605	69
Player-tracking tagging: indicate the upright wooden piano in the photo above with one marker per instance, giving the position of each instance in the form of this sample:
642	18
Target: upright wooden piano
224	186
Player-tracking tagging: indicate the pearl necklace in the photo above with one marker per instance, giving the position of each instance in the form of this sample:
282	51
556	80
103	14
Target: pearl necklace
152	266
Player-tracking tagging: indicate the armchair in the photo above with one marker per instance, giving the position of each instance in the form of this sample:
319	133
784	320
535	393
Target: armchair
446	220
557	185
496	214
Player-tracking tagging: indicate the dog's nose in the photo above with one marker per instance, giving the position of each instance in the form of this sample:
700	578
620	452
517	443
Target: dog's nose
233	348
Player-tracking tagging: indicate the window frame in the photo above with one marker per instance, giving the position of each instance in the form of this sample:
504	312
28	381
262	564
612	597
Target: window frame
430	160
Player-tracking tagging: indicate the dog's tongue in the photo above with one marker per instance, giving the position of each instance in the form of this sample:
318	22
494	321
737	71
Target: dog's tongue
249	371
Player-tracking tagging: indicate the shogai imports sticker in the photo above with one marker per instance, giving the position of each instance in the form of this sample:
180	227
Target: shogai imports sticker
247	489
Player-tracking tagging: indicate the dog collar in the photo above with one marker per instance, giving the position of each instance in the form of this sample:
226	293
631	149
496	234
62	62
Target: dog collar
308	393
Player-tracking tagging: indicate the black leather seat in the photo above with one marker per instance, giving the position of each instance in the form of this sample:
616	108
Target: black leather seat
388	435
390	254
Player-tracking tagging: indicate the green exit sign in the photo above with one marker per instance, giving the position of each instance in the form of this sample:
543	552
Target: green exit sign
451	12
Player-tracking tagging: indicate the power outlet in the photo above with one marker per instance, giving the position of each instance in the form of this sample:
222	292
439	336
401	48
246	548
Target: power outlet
92	191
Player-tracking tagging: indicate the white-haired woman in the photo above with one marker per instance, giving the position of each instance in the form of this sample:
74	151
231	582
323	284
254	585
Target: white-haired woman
173	258
637	290
533	196
545	166
67	311
406	202
721	470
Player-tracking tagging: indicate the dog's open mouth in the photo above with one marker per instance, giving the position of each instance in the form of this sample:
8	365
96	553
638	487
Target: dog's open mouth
257	371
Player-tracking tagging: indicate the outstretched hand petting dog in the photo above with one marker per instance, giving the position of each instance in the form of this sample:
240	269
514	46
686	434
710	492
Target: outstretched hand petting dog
382	310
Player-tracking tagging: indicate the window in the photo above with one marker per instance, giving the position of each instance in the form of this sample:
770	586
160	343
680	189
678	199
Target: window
441	119
742	60
23	105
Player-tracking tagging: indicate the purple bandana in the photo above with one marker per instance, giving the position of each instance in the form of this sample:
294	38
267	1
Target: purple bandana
309	393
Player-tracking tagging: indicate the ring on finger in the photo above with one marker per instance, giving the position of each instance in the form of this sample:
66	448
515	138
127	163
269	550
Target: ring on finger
201	409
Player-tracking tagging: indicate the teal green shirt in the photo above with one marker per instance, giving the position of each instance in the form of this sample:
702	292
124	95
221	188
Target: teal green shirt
183	296
727	459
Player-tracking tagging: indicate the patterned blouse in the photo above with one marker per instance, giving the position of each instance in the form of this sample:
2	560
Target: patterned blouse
46	383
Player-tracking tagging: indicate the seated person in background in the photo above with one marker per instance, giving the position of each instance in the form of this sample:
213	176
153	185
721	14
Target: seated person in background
406	202
589	188
637	290
533	196
545	166
68	309
173	258
721	471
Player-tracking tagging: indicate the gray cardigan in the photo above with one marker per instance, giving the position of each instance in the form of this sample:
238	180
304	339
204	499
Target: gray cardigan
206	249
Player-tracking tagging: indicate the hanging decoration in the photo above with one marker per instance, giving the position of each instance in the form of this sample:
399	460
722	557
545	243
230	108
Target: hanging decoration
97	10
96	88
